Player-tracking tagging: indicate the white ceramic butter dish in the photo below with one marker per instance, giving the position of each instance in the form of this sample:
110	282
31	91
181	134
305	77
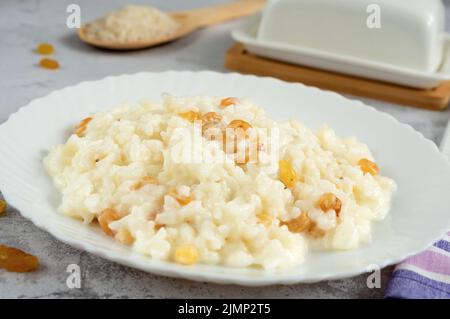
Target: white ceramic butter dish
410	48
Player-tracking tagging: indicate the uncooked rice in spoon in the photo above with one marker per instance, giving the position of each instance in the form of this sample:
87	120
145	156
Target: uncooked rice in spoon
132	24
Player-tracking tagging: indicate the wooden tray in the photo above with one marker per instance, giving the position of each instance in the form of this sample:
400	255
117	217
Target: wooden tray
238	59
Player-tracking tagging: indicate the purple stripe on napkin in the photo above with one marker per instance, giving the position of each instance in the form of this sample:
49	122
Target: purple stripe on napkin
431	261
426	275
410	285
442	244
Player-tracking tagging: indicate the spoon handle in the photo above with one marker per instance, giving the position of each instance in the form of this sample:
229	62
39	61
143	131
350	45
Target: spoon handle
219	13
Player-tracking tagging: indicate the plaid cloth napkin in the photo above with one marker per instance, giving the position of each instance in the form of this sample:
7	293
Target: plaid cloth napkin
426	275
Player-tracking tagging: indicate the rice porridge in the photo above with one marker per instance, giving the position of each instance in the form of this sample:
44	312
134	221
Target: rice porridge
169	180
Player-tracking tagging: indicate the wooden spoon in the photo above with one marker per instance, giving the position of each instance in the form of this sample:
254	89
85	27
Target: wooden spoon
189	21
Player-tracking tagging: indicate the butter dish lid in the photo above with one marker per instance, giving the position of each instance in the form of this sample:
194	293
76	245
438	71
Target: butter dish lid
404	33
247	34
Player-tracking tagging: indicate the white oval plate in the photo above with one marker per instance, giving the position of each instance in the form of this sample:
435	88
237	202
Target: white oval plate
418	217
315	58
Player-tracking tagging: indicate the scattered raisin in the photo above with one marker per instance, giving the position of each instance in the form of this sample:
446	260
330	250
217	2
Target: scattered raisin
45	49
304	224
228	101
265	219
81	127
107	216
287	174
211	117
124	236
329	201
190	116
300	224
2	207
211	130
49	64
16	260
316	232
368	166
144	181
186	255
239	124
182	200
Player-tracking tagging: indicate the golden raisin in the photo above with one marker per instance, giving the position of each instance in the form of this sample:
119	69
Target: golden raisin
144	181
186	255
329	201
211	117
304	223
368	166
209	125
190	116
182	200
45	49
228	101
107	216
287	174
49	64
149	180
265	219
213	133
124	236
316	232
2	207
244	146
232	132
81	127
16	260
300	224
239	124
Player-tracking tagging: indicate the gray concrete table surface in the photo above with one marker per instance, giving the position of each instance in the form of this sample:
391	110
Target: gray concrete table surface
23	25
